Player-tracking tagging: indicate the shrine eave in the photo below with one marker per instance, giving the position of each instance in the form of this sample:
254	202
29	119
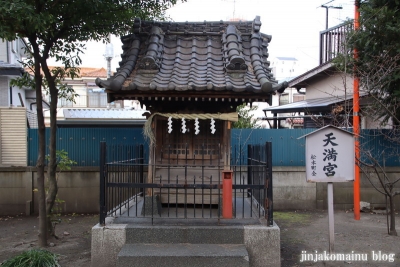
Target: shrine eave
184	96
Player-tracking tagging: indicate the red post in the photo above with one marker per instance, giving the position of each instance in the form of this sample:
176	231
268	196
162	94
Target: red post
227	194
356	124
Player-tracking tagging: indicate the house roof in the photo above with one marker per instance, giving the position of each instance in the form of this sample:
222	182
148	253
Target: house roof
224	58
102	117
311	105
85	72
287	58
97	113
93	72
319	72
10	69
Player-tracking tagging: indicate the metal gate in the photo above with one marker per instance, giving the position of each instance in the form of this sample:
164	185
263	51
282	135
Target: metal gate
124	191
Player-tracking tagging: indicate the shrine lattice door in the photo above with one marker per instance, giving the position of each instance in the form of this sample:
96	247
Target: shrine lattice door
189	145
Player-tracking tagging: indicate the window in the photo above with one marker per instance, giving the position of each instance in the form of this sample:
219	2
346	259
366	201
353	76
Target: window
62	102
284	99
298	97
97	98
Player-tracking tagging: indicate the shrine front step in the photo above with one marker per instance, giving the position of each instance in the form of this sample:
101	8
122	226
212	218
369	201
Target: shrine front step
181	245
183	255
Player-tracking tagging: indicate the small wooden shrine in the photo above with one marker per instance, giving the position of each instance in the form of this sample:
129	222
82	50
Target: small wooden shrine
191	76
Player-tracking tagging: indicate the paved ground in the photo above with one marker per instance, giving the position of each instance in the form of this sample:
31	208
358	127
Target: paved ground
305	232
300	231
19	233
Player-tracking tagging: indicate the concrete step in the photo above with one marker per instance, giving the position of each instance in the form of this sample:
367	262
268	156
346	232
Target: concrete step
183	255
185	234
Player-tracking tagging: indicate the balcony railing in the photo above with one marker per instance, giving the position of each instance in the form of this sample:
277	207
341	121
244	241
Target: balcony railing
332	42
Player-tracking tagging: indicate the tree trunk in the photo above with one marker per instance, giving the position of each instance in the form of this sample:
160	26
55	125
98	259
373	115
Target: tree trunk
52	167
392	228
41	158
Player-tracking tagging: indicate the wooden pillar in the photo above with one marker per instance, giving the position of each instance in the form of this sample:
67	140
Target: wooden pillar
152	154
226	143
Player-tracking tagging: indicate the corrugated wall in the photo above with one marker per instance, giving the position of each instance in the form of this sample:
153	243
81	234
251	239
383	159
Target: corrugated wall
380	144
13	133
82	144
287	149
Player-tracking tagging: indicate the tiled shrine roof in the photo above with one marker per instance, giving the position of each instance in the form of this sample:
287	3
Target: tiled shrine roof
187	57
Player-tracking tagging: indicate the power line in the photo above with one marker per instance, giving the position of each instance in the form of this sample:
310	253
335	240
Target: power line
327	8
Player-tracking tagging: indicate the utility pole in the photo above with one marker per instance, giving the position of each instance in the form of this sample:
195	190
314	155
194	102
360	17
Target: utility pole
109	54
356	121
327	8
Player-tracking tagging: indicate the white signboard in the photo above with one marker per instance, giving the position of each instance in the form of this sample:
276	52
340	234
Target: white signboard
330	155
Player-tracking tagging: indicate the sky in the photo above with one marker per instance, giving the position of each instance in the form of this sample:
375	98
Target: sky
293	24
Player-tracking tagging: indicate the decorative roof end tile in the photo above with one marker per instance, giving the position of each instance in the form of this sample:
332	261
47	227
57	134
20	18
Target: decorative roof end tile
152	58
233	50
257	24
137	24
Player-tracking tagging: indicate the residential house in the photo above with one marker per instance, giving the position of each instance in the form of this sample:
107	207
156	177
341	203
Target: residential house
13	103
91	108
11	53
284	69
329	92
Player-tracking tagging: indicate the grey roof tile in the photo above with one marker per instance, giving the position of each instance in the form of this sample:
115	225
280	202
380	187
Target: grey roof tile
194	56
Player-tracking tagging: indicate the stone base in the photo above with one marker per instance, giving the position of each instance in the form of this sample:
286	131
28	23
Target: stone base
151	206
262	242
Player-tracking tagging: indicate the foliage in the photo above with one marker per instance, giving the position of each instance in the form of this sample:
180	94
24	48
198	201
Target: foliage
246	118
72	21
59	29
33	258
64	163
377	60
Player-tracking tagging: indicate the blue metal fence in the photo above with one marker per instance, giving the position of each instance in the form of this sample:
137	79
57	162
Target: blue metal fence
82	144
287	149
380	144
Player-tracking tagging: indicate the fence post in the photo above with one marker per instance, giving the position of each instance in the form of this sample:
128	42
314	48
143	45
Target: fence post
268	152
227	194
141	167
249	167
103	158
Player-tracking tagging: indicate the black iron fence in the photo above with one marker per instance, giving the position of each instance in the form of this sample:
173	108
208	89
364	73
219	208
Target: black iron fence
176	186
120	178
260	171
